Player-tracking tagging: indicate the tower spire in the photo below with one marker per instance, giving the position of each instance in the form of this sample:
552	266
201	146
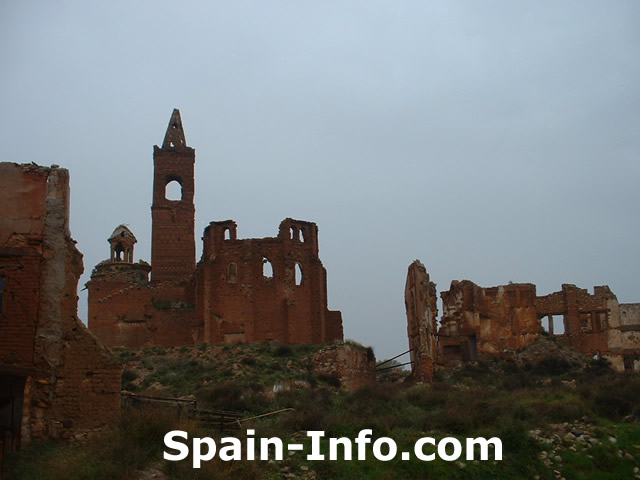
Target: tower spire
173	243
174	138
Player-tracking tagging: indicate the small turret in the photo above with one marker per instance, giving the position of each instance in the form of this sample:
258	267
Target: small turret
122	241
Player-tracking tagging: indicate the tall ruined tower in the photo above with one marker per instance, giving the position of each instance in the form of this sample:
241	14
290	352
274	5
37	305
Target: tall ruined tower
173	245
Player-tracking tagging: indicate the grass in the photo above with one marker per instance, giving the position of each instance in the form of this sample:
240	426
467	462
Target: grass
487	399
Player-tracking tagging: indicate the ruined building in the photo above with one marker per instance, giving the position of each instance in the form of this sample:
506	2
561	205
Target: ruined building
420	302
241	290
501	320
57	380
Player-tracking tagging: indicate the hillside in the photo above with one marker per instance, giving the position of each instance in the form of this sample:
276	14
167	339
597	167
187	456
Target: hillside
559	415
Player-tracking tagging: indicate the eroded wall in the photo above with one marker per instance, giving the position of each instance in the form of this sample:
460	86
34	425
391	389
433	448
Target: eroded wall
66	381
353	366
499	321
229	297
420	305
476	320
269	289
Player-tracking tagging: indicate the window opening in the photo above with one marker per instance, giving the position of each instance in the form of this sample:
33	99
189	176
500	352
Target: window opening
173	190
545	324
267	268
119	251
298	274
558	325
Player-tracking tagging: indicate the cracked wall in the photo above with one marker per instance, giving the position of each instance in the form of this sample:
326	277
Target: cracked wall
354	366
420	304
501	320
63	381
242	299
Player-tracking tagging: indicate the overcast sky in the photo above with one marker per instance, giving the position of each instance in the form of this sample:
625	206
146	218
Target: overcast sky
494	141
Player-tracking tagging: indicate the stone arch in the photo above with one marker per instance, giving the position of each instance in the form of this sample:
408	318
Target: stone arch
173	189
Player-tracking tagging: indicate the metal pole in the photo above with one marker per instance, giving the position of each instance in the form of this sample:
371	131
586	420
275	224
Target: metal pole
387	361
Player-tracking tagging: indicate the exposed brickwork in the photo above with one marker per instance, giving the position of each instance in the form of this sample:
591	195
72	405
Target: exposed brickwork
355	367
226	298
477	320
500	320
173	245
58	376
240	304
420	303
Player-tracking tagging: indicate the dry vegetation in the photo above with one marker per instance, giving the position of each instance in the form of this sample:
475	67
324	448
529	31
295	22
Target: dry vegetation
558	415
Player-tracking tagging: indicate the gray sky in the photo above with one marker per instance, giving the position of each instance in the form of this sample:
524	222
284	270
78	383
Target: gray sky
495	141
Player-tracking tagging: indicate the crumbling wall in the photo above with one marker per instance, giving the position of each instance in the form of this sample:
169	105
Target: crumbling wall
420	305
588	320
497	320
627	344
354	366
269	289
71	381
136	314
225	299
501	320
23	191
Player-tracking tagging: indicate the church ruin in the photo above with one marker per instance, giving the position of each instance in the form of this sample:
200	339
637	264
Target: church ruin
241	290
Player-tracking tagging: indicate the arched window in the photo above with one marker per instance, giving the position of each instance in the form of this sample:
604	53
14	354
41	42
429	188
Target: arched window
227	234
297	272
173	190
267	268
119	250
293	233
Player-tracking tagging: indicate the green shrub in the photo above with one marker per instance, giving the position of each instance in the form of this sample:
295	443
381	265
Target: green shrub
552	366
283	351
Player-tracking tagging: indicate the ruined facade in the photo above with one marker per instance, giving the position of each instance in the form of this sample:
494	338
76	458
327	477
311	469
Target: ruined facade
500	320
241	290
420	302
480	320
57	380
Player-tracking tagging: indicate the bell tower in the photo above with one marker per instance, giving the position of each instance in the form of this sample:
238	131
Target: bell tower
173	244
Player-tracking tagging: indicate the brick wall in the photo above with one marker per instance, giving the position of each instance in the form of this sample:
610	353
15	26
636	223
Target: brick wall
71	380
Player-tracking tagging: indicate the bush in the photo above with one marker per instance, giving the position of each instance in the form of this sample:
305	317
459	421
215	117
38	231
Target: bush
250	361
617	397
129	375
283	351
552	366
227	395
